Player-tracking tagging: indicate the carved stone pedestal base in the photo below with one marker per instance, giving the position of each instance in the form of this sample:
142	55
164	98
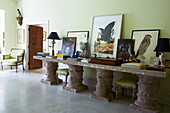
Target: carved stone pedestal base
52	77
147	101
76	89
75	79
51	82
104	85
138	108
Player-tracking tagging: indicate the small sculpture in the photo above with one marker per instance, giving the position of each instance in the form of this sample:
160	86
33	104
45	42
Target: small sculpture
83	47
19	18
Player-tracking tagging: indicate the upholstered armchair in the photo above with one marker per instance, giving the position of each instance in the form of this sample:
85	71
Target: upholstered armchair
15	58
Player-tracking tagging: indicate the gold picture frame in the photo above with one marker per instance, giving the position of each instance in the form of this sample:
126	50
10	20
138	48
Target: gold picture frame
21	36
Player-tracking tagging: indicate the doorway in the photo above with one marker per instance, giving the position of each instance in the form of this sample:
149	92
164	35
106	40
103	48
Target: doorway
35	46
45	25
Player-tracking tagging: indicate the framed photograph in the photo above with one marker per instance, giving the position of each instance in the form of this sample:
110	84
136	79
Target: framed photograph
82	37
21	36
68	46
145	43
106	31
44	35
124	47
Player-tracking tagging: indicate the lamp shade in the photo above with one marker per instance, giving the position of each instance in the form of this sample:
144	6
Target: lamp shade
54	36
163	45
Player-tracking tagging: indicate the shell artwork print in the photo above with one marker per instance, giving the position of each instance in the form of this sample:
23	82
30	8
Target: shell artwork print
105	41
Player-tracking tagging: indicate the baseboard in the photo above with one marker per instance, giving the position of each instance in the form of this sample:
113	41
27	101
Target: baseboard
164	98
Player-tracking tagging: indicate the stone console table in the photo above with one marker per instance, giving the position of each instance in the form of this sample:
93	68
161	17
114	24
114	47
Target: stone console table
148	85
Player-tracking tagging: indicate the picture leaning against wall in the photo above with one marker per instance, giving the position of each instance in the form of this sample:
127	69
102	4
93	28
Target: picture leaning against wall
145	43
106	31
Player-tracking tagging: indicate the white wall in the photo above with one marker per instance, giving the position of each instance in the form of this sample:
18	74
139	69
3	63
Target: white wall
10	23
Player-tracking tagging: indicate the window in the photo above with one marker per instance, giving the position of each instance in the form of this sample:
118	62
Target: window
2	30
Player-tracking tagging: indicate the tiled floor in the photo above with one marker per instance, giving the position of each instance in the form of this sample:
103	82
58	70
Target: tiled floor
23	92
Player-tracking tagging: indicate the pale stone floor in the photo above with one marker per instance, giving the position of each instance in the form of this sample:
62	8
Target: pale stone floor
23	92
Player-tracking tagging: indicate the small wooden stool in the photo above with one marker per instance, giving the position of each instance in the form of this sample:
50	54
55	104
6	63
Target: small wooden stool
63	72
127	83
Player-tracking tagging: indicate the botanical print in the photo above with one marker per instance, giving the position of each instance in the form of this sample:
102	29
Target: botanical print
20	34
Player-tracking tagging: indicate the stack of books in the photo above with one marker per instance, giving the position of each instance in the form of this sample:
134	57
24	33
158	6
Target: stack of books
134	65
74	59
42	54
63	56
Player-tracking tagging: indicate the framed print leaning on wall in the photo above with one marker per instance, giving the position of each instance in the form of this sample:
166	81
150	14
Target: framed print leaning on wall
106	31
82	36
20	36
145	43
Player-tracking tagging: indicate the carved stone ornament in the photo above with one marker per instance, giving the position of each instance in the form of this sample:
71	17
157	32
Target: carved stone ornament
75	79
20	19
147	100
52	76
104	85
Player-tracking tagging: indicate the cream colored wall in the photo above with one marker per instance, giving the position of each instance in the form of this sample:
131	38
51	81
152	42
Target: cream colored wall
66	15
10	23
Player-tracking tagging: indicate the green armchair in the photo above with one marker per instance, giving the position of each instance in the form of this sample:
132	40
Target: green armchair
15	58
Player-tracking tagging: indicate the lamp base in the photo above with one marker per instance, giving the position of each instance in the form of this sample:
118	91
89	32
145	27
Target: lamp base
53	42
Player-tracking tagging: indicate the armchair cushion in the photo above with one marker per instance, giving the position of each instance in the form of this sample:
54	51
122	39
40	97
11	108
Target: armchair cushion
9	62
127	83
6	56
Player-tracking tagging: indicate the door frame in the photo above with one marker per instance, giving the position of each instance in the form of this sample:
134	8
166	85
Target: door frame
27	38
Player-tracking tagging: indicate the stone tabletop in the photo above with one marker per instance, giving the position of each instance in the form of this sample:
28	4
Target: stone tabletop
145	72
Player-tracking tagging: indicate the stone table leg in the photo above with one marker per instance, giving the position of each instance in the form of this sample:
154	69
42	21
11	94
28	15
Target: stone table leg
75	79
52	77
147	101
104	85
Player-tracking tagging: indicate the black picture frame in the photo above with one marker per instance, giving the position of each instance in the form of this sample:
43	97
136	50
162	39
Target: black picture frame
124	45
68	46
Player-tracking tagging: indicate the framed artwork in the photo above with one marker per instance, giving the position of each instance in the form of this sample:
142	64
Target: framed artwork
21	36
44	35
145	43
106	31
3	35
124	47
68	46
82	37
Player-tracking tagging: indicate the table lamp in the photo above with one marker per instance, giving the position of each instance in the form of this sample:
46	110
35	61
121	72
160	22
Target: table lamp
163	45
53	36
